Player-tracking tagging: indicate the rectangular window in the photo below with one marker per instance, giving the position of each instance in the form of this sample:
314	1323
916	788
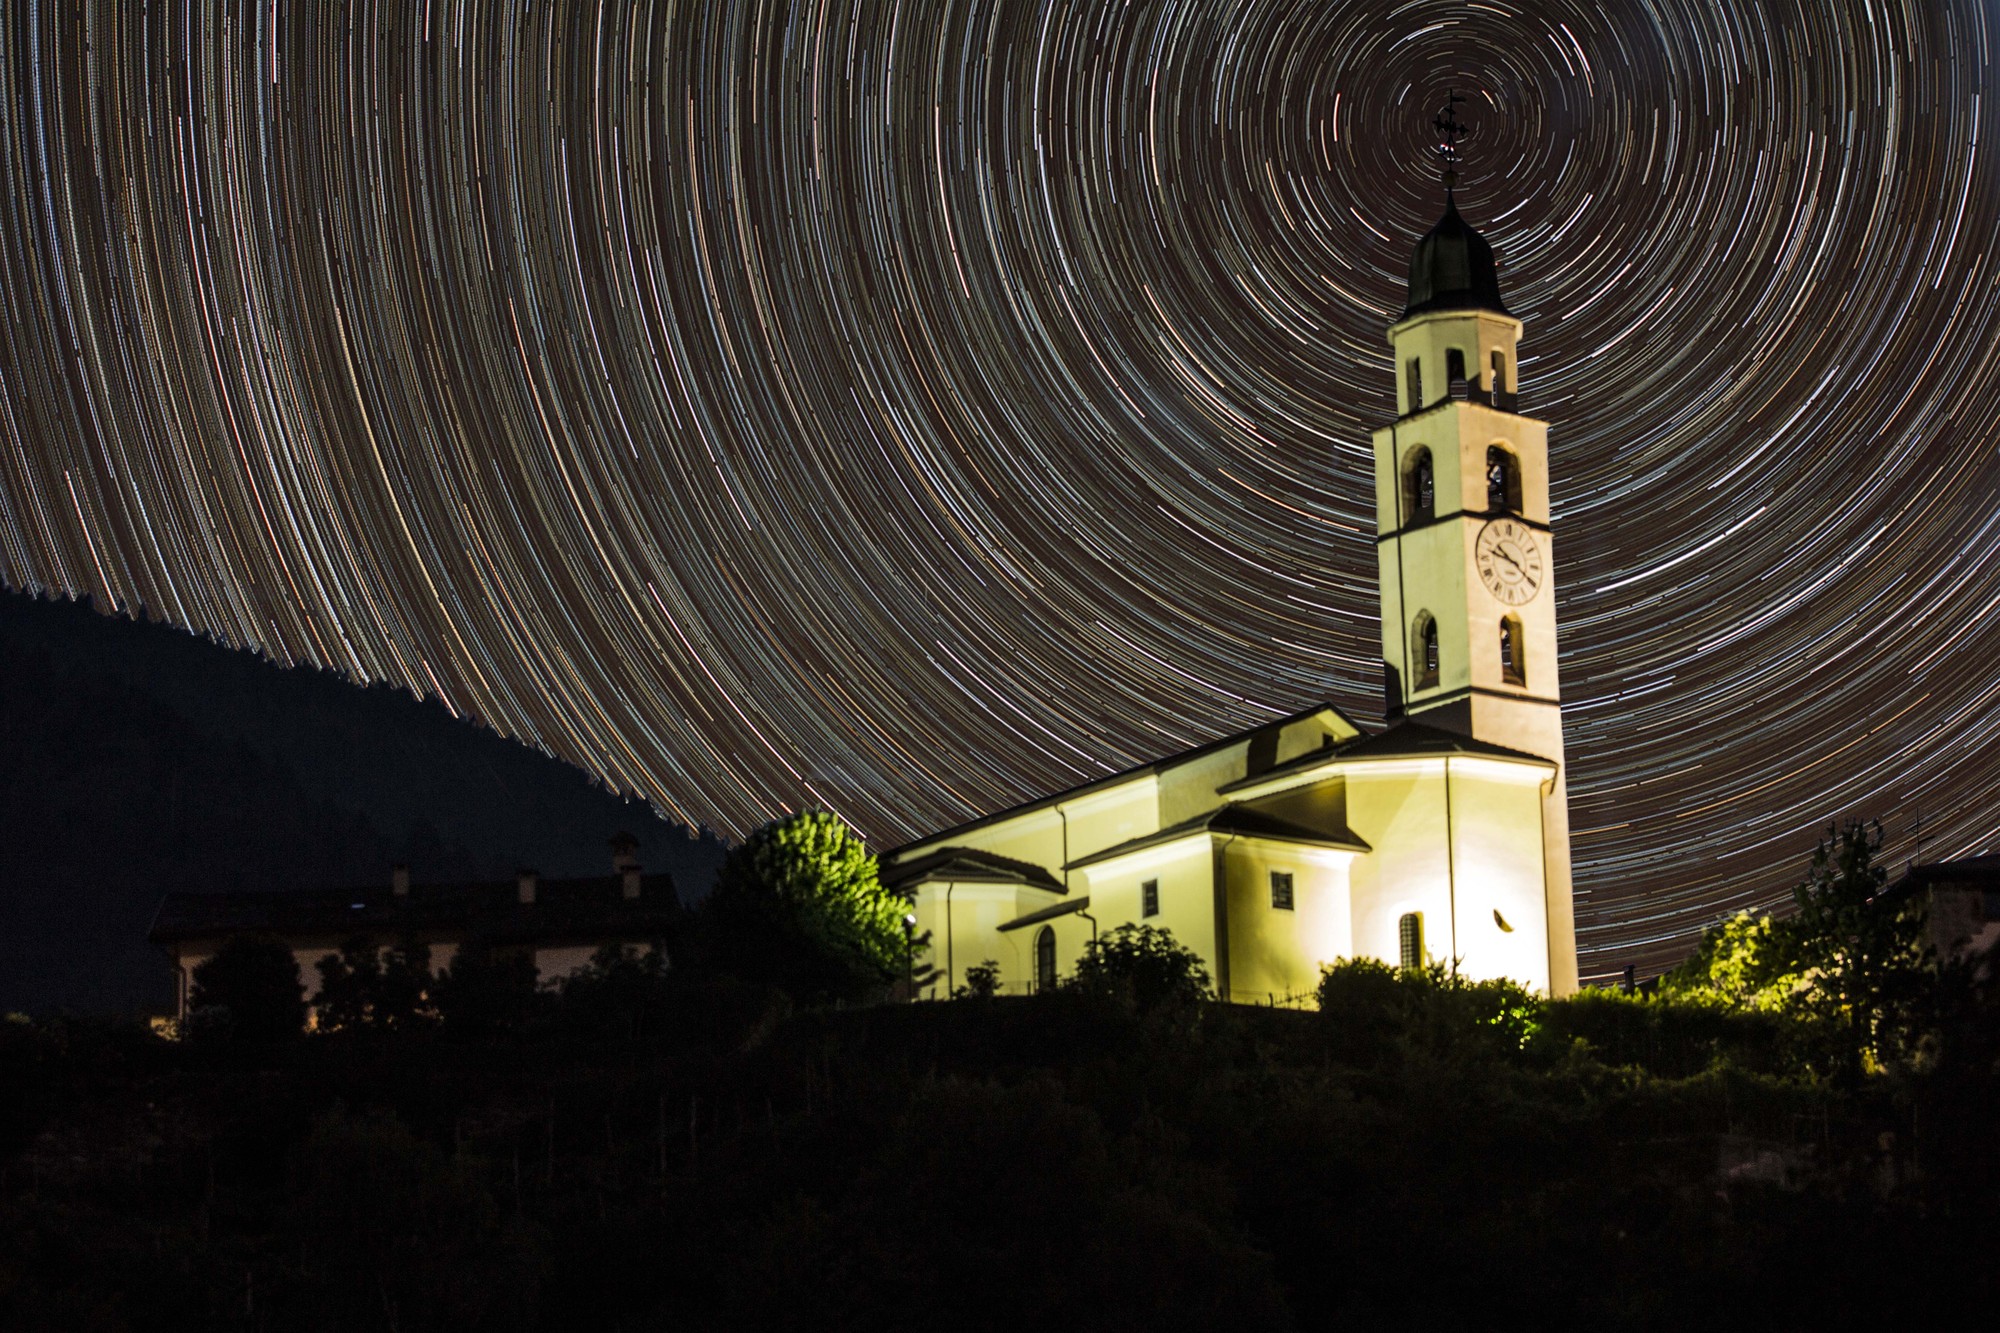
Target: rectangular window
1281	890
1410	936
1149	898
1414	373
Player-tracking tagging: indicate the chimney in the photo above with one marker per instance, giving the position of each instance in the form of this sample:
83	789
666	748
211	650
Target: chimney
399	880
624	849
628	877
524	884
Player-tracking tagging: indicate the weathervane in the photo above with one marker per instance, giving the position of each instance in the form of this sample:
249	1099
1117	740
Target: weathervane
1449	133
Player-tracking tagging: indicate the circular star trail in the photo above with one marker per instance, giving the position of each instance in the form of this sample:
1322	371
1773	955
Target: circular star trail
911	408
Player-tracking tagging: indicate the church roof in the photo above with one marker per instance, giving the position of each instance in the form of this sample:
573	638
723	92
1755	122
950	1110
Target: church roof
1243	821
1111	780
1453	269
969	865
1403	740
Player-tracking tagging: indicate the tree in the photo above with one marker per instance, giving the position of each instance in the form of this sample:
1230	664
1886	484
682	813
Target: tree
1850	961
486	992
366	987
801	905
1144	966
256	979
1865	956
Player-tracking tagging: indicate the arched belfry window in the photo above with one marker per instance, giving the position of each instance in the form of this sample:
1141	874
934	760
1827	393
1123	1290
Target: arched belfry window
1427	650
1513	661
1454	368
1499	384
1410	940
1413	381
1503	480
1419	487
1045	959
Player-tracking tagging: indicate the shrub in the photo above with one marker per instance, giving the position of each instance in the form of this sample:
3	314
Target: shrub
256	979
1146	967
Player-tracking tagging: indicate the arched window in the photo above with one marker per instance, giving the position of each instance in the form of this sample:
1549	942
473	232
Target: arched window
1503	480
1410	939
1454	368
1419	487
1413	380
1513	660
1499	384
1045	959
1427	650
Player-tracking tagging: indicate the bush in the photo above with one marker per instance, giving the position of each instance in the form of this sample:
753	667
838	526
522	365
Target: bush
256	979
1145	967
1378	1010
800	906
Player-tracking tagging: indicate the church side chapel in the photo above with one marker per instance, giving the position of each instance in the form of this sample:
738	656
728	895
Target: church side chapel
1443	837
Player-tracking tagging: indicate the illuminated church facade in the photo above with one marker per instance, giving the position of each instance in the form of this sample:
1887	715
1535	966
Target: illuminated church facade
1442	837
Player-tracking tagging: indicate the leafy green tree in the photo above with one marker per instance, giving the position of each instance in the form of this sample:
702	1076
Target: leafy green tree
256	979
1743	962
800	905
1144	966
1377	1011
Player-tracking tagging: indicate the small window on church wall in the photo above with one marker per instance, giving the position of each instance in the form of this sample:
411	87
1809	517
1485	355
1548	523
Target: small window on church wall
1499	372
1419	488
1045	959
1149	898
1503	480
1281	890
1454	366
1413	380
1410	939
1427	651
1513	666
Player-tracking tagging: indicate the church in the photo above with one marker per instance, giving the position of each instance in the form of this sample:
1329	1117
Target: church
1440	838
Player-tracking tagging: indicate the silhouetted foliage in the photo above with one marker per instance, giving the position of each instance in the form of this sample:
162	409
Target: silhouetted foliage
1143	967
256	980
1374	1012
622	993
485	994
982	982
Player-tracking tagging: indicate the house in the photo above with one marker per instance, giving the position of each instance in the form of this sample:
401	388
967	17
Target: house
1961	903
560	923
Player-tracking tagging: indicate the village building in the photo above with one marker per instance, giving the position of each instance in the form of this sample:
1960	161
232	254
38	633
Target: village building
560	924
1440	838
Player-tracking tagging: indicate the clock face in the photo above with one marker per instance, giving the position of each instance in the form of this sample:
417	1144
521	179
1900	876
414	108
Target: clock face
1510	560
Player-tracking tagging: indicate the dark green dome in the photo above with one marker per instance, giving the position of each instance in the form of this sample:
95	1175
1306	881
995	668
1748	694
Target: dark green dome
1453	269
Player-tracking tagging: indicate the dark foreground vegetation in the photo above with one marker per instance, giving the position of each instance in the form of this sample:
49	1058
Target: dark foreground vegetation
1798	1132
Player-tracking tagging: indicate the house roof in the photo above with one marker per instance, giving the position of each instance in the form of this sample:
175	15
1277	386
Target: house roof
1972	872
1126	775
969	865
1404	740
563	908
1241	820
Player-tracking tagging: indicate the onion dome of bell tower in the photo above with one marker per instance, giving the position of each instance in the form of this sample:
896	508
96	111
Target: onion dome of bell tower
1453	269
1453	266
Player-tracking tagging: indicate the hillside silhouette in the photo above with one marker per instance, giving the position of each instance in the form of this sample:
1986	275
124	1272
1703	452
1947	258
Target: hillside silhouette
138	760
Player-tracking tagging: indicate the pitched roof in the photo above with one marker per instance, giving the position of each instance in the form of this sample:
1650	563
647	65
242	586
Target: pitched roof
1240	820
969	865
563	908
1049	913
1126	775
1403	740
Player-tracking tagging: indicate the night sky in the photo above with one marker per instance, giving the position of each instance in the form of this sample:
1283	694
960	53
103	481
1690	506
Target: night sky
909	409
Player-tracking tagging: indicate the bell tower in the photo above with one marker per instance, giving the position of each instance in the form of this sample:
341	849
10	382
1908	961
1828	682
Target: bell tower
1463	543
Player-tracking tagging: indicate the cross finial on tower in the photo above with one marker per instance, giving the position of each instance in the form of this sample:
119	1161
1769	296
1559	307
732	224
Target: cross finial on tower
1449	132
